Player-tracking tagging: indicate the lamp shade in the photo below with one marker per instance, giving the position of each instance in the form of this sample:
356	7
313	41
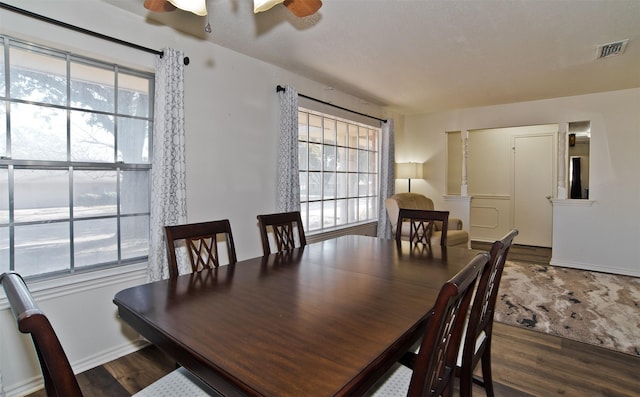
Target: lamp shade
198	7
409	171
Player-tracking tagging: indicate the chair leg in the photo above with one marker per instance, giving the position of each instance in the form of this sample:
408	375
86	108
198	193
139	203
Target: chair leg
466	380
486	372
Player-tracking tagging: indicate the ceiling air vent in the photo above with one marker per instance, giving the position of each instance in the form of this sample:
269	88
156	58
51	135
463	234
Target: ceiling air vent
611	49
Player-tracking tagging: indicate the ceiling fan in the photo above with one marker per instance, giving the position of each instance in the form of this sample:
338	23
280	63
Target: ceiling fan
300	8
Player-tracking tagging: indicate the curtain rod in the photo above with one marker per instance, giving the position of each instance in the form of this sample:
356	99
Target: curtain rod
82	30
280	88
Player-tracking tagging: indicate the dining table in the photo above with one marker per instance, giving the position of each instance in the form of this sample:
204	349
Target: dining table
325	319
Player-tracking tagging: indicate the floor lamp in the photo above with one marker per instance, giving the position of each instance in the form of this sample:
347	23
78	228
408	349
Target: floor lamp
409	171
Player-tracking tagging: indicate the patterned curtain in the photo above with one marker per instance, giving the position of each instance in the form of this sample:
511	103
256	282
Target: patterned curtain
387	177
288	177
168	175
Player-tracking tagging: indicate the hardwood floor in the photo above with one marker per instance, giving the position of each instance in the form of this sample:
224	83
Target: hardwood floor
525	363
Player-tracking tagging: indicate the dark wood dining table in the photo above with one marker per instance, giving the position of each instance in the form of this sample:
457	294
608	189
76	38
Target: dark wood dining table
327	319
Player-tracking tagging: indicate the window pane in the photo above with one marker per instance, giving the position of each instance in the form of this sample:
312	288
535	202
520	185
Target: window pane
329	185
38	77
4	250
303	164
135	236
92	137
353	160
342	212
92	88
352	135
315	186
329	156
363	161
315	128
303	120
304	187
341	185
353	185
341	131
353	210
3	128
315	157
329	132
341	159
373	162
373	184
38	133
373	207
95	241
94	193
133	95
362	137
41	195
329	215
133	141
363	185
315	216
4	196
134	198
373	140
363	209
42	248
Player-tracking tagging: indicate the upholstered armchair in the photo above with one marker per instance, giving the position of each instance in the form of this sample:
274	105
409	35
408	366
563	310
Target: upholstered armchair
455	235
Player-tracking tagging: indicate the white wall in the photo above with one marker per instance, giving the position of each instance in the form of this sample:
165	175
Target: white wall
602	234
232	115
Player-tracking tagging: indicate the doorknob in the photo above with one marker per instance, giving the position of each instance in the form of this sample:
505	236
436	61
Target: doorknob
549	198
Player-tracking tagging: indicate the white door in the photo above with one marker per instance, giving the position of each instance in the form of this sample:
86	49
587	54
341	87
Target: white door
534	165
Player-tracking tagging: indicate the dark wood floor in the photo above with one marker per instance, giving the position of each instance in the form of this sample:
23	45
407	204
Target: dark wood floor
525	363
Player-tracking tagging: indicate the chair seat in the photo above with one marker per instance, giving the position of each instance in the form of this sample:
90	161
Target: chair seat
179	383
394	383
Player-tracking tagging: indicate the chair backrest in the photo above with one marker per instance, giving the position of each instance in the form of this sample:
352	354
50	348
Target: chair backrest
484	302
414	201
283	225
59	379
434	367
422	224
201	240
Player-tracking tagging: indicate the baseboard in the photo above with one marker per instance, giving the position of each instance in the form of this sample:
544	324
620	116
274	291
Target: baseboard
593	267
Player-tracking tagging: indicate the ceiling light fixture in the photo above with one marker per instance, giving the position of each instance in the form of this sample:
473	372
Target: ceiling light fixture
198	7
300	8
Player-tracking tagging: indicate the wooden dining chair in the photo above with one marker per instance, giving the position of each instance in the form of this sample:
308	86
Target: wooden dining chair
59	379
201	240
282	225
434	365
476	344
421	224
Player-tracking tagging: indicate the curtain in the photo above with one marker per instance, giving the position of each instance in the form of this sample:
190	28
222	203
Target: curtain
288	198
387	177
168	175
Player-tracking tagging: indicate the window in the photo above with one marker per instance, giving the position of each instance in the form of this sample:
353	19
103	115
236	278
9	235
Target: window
338	161
74	161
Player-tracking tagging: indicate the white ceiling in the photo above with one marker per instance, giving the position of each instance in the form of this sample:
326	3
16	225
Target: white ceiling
421	56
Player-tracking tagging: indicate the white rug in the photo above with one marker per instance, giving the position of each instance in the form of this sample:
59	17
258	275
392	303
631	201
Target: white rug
597	308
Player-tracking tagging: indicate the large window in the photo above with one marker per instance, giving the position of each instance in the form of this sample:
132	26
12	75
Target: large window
74	161
338	162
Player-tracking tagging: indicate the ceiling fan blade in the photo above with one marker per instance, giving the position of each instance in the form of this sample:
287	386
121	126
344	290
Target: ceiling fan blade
303	8
159	5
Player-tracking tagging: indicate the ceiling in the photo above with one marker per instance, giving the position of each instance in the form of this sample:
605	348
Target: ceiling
422	56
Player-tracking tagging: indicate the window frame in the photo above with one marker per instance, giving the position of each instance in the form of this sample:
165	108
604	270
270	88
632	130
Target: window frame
117	166
372	172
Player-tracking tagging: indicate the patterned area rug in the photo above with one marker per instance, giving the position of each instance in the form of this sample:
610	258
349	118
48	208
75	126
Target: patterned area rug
597	308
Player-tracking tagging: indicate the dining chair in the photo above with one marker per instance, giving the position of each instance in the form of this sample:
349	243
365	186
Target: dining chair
434	365
201	240
59	379
283	225
421	225
476	341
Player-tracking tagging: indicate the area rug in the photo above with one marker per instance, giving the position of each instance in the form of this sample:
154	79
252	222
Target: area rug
597	308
